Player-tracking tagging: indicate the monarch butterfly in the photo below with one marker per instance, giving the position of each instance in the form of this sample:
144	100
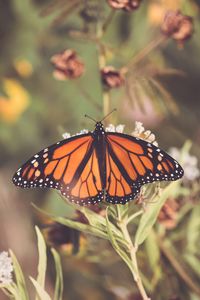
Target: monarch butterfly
98	165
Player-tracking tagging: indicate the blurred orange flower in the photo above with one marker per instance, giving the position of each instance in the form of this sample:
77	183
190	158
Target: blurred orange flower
16	102
23	67
157	10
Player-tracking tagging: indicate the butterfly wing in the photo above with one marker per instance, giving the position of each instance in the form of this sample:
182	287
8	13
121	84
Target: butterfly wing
70	166
132	162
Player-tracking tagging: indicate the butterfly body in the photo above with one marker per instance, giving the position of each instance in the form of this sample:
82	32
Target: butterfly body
99	135
98	165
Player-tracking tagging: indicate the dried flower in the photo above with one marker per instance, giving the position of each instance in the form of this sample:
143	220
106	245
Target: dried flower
189	164
111	77
6	268
177	26
66	239
92	11
147	135
118	4
168	214
127	5
67	65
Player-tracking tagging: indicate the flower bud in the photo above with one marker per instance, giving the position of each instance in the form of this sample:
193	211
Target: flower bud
132	5
127	5
118	4
111	77
177	26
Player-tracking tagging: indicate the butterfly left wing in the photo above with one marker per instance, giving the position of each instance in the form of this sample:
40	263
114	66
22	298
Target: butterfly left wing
132	162
70	166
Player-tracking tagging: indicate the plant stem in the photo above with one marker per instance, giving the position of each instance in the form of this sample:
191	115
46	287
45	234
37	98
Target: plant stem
133	216
108	21
102	64
132	252
145	51
178	267
87	96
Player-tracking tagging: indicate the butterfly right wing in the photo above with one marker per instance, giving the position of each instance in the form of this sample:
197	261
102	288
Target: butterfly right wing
131	163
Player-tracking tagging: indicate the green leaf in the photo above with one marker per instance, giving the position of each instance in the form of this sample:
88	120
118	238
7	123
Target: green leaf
149	217
86	228
81	227
153	250
20	280
194	263
58	293
42	264
43	295
193	229
99	222
93	218
116	246
11	291
153	253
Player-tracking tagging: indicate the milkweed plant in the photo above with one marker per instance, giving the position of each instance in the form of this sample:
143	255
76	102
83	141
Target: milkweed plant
126	227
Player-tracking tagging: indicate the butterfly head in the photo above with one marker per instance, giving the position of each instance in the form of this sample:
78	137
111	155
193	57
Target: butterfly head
99	128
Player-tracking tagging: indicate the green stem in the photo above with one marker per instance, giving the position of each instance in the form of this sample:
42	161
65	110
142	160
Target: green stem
87	96
132	251
102	64
108	20
133	216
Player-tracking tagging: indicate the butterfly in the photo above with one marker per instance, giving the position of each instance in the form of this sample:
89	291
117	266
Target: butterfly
97	166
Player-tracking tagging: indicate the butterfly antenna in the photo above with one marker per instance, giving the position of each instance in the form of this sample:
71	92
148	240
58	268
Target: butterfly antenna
109	114
86	116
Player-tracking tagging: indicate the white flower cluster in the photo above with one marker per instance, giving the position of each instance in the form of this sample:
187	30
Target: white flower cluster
146	135
67	135
6	268
111	128
189	164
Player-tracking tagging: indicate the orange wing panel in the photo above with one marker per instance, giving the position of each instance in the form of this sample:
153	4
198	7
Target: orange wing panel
129	145
68	148
60	168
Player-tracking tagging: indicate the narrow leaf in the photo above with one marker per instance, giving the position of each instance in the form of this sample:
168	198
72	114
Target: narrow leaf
42	264
43	295
11	291
82	227
149	217
58	293
115	245
20	280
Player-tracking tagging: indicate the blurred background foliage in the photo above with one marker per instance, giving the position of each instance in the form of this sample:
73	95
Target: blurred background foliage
162	90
